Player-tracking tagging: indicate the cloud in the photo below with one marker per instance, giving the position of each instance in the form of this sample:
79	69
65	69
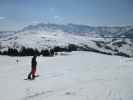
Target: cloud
1	18
35	22
56	17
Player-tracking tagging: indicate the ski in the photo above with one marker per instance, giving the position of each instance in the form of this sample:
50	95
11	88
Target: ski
31	78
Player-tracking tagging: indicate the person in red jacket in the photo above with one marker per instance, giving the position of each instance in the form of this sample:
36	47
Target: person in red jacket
32	75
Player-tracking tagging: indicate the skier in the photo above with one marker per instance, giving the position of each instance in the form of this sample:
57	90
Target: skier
31	75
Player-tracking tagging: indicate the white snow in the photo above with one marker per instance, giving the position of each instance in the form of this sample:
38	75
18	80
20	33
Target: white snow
42	39
68	76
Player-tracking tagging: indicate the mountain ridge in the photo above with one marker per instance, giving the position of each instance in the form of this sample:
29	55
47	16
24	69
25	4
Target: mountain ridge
70	37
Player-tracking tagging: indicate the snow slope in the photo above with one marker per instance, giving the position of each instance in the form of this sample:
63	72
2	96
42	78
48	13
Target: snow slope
42	40
47	36
68	76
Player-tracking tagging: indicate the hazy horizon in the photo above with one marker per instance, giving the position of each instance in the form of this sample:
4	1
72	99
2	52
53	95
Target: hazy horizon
16	14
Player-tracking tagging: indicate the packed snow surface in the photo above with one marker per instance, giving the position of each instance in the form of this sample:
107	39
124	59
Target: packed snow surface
68	76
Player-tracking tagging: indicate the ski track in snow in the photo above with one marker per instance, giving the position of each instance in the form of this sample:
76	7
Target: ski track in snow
78	76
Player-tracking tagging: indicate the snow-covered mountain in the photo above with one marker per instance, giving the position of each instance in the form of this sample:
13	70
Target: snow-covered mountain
82	30
6	33
81	37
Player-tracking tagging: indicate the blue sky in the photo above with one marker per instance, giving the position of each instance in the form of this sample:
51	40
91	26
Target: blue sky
15	14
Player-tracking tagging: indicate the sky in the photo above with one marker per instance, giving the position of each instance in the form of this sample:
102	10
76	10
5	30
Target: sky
15	14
